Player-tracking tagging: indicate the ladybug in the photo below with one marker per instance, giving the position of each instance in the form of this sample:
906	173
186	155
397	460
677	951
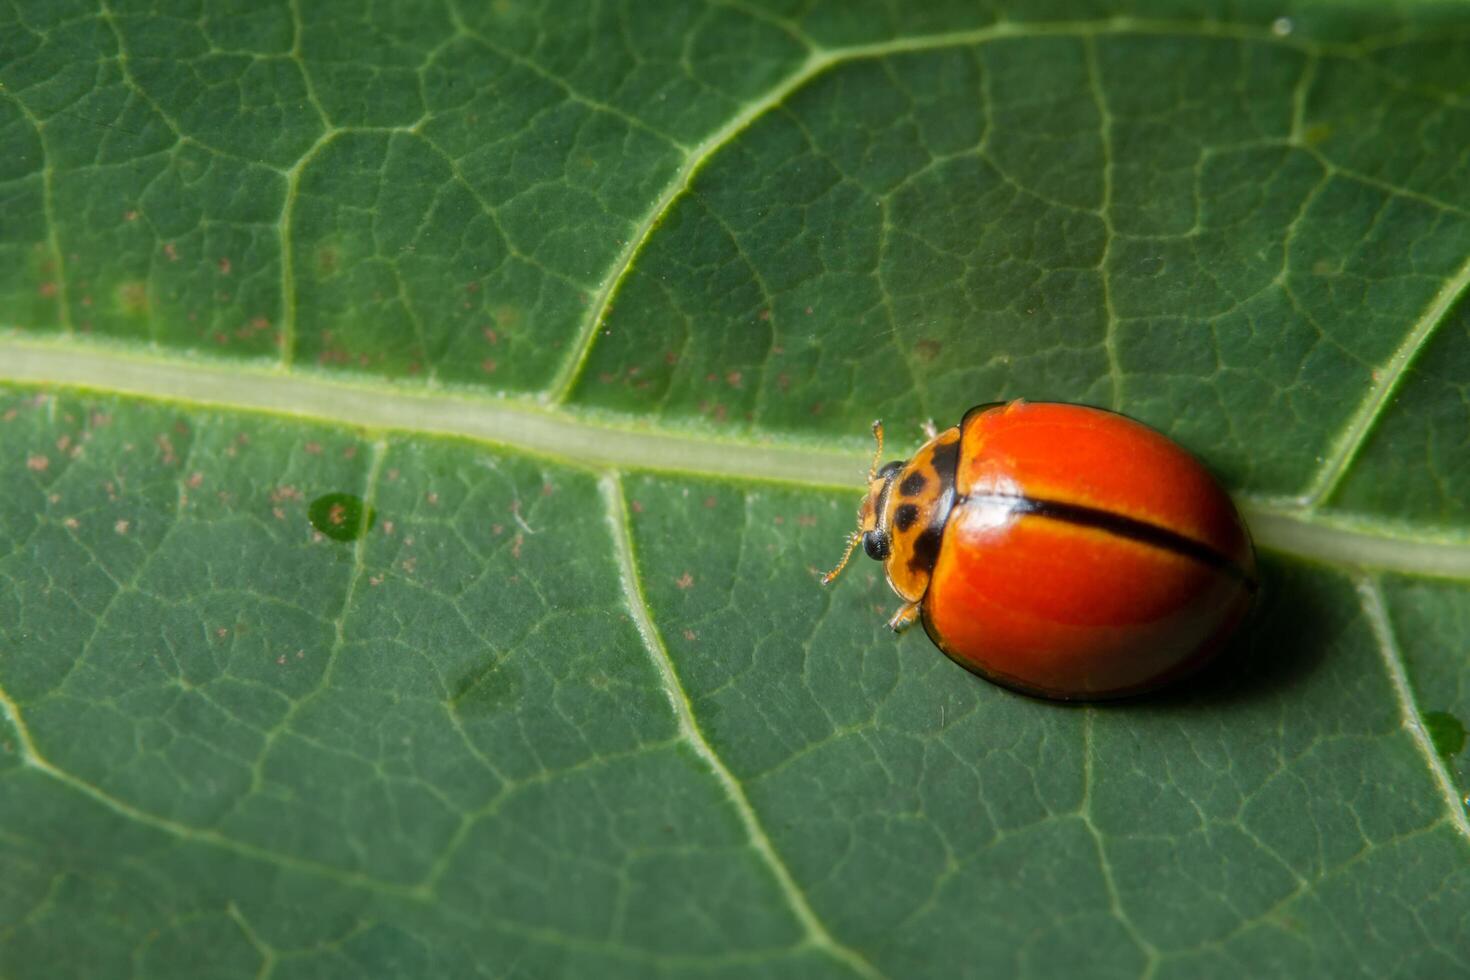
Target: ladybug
1063	551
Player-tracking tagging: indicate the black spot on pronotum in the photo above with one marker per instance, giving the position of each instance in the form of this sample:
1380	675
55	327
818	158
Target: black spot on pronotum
340	516
905	515
946	461
926	548
913	484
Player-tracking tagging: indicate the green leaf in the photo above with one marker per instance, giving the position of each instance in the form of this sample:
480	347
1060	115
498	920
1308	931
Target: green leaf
421	425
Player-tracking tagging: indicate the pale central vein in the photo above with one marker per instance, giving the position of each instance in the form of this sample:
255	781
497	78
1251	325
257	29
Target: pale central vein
599	441
1410	718
816	933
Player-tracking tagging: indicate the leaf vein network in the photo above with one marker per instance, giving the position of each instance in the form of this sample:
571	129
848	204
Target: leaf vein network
817	936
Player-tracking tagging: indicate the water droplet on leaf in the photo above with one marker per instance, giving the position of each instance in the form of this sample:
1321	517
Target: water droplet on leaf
486	690
1446	732
340	516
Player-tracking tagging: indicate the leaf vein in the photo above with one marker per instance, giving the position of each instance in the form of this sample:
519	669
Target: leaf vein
816	933
32	758
1376	611
1387	380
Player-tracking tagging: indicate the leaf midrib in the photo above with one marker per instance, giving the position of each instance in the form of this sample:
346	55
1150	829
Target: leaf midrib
605	442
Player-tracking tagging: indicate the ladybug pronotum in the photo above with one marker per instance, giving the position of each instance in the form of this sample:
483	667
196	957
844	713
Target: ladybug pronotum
1062	551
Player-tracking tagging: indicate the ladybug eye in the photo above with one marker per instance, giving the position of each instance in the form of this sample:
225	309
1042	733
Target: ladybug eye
889	468
875	545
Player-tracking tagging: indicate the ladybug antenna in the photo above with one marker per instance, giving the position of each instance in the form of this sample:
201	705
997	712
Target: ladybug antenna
852	543
856	536
877	453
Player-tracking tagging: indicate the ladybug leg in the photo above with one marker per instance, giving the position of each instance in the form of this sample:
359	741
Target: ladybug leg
904	618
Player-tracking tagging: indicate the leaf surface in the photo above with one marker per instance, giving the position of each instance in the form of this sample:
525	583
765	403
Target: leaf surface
420	426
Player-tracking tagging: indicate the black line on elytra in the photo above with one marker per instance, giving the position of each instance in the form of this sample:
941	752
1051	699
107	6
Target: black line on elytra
1120	525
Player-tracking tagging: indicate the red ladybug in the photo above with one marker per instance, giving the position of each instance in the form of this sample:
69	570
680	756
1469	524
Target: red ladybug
1063	551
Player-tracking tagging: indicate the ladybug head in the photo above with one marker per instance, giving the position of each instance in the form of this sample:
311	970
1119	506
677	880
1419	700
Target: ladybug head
873	516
